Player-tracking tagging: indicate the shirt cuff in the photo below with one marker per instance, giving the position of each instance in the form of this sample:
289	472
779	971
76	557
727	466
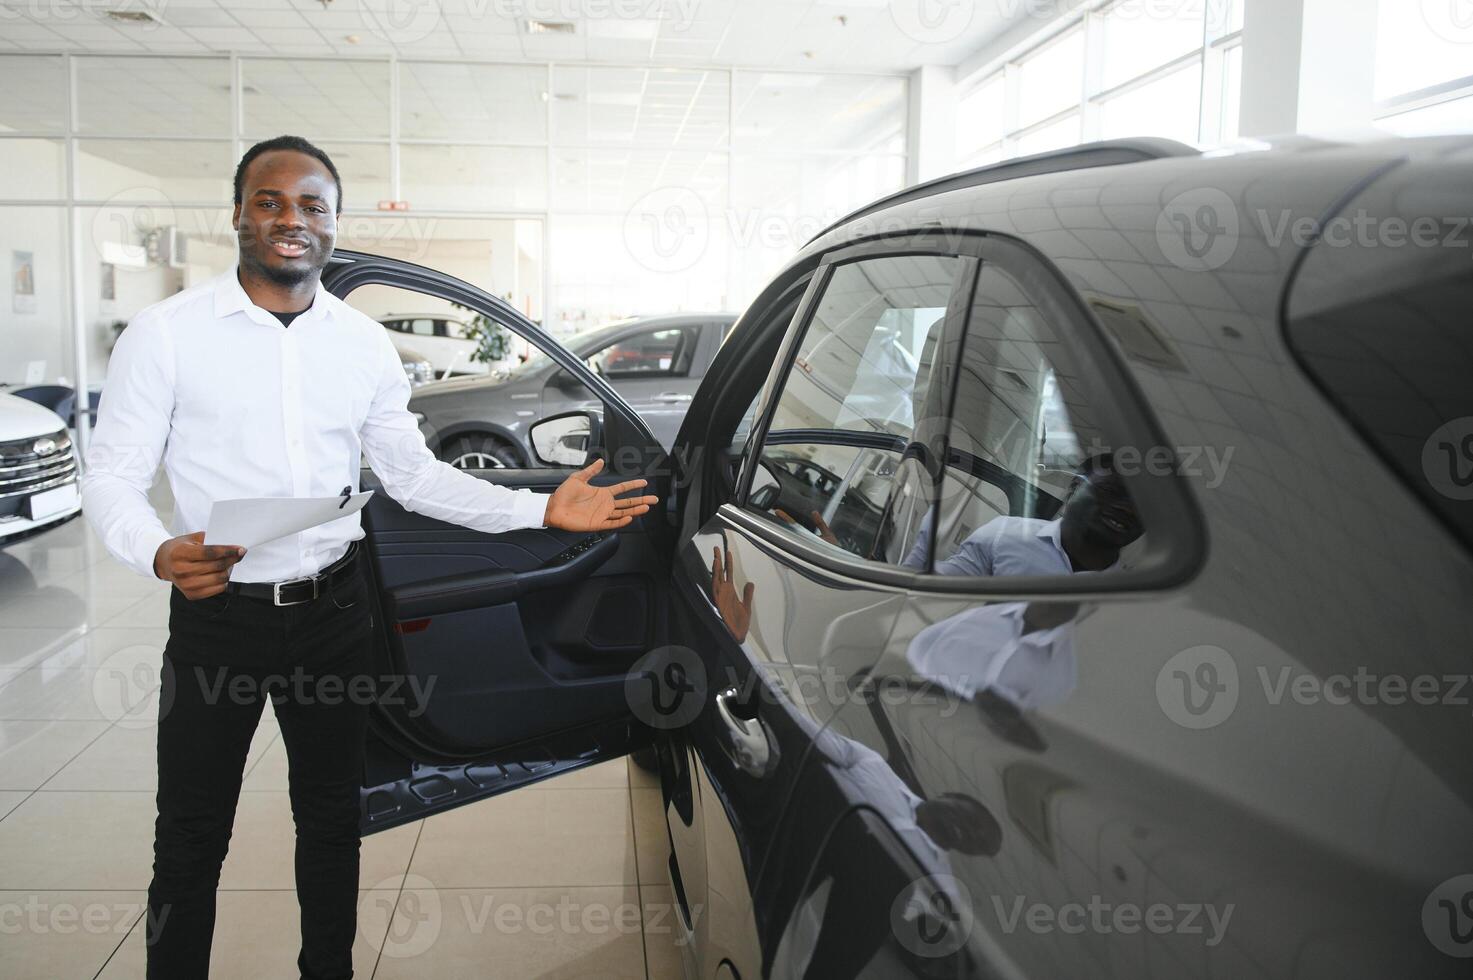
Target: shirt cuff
529	509
149	540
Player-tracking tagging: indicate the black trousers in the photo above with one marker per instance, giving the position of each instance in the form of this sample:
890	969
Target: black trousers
226	657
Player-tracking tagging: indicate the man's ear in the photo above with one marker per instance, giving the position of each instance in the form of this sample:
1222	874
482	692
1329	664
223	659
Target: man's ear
235	218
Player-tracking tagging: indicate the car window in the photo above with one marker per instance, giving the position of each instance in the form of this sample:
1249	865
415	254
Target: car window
839	463
1029	487
485	421
1396	365
654	353
454	329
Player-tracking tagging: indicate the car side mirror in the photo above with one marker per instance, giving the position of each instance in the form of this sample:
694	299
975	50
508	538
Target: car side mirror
566	439
562	379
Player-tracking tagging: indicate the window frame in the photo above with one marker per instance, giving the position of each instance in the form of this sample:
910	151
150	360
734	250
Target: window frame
1178	550
929	243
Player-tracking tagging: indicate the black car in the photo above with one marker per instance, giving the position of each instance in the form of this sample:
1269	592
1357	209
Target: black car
1149	660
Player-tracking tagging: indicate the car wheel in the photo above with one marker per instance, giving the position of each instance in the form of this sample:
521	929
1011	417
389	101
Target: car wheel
480	452
647	758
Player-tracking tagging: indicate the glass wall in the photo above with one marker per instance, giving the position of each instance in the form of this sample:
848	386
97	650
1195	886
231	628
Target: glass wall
1110	69
1424	68
582	193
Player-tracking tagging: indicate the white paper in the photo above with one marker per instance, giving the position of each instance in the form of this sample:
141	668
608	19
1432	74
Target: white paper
256	520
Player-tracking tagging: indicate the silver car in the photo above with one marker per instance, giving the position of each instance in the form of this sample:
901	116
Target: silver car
656	363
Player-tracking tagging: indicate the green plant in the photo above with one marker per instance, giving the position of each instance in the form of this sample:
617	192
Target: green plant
493	341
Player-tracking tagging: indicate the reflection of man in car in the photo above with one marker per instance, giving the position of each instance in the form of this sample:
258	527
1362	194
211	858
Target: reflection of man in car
855	927
1020	652
932	827
1096	520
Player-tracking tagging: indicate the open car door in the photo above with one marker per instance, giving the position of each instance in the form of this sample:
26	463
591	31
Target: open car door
503	658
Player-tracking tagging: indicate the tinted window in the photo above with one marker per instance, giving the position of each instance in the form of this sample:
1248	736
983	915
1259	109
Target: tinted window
1398	367
1029	487
837	464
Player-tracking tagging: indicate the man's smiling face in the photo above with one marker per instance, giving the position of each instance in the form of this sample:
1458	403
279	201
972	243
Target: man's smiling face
287	218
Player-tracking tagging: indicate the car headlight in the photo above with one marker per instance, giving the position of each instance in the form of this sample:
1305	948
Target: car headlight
418	373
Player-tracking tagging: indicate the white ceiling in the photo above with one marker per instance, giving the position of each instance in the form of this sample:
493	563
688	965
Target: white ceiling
853	35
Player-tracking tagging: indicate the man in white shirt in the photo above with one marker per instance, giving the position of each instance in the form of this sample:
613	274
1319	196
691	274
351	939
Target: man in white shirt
261	384
1024	652
1096	521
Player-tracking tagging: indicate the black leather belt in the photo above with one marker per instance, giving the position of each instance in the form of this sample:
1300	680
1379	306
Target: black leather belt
300	590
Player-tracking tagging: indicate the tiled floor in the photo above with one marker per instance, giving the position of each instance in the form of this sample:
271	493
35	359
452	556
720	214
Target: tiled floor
563	879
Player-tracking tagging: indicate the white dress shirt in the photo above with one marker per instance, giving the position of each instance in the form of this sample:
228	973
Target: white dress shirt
985	648
236	405
1002	546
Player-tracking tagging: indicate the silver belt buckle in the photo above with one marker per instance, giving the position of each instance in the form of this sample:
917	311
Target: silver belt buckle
276	592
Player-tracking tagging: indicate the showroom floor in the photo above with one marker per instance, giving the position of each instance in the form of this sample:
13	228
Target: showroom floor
559	880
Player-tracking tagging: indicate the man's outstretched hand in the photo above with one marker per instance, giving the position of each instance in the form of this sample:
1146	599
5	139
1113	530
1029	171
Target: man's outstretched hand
199	570
577	505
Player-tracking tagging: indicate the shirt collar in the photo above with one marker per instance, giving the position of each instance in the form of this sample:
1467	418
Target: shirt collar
231	297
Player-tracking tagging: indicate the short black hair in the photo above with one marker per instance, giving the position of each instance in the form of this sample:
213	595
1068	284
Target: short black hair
295	143
1098	463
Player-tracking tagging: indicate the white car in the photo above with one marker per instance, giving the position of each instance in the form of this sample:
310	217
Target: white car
439	337
38	468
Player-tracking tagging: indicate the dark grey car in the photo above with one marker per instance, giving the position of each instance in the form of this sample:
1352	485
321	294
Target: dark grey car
655	362
1063	571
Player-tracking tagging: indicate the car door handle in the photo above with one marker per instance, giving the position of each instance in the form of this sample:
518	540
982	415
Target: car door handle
747	743
672	396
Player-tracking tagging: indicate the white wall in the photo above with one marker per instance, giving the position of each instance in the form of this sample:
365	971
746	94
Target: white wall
43	334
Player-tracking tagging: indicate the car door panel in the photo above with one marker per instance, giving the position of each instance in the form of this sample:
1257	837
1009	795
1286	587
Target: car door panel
780	632
775	672
501	658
